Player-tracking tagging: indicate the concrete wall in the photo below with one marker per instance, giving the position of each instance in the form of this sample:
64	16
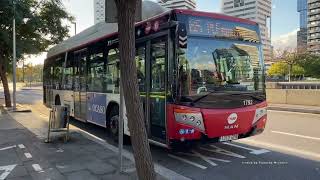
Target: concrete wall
307	97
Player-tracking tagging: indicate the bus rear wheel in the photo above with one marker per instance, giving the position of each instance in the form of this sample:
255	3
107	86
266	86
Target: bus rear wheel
114	123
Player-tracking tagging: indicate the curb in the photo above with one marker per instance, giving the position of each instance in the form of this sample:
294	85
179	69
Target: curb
299	110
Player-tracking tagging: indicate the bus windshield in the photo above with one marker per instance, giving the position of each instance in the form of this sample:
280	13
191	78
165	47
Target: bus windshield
210	65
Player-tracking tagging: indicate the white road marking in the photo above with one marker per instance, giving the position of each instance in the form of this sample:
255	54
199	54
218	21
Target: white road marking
283	148
187	161
37	167
7	170
28	155
222	151
163	171
297	135
21	146
9	147
252	151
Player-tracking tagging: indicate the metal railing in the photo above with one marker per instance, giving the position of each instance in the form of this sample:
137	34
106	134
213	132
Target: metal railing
294	85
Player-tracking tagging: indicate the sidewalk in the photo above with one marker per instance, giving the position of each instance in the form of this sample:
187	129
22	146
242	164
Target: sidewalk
33	159
294	108
80	158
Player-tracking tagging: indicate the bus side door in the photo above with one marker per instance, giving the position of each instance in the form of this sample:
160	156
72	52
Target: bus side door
80	85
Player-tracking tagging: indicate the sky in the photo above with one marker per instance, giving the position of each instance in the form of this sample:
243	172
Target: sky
285	20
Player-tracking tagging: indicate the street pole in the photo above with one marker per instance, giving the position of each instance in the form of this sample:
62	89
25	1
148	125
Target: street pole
75	28
121	114
14	56
121	127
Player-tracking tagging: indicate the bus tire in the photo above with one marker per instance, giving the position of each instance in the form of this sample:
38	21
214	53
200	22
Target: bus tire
57	100
114	123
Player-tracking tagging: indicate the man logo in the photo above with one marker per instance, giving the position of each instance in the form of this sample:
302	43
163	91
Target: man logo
232	118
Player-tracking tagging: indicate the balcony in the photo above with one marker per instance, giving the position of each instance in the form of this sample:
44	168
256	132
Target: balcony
315	12
314	6
315	30
314	18
313	1
314	37
314	24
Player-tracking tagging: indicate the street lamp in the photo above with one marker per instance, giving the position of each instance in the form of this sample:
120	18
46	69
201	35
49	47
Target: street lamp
75	27
14	55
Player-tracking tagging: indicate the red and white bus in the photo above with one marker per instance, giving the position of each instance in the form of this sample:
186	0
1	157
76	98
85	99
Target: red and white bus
201	77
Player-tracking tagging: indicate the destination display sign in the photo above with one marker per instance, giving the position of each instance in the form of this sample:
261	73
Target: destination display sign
222	29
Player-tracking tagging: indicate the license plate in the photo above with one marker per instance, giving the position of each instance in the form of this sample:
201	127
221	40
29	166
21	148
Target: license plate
229	138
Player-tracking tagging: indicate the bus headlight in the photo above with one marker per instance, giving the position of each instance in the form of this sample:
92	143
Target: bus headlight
193	119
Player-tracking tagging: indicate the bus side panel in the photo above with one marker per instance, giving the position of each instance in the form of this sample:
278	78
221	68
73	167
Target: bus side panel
96	108
68	100
115	98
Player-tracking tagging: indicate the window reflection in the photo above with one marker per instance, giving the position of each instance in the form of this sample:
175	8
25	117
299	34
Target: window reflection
212	65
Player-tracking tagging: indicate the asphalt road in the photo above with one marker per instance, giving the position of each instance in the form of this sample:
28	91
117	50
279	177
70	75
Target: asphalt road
288	149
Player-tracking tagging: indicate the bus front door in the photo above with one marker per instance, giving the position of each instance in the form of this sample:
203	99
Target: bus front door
156	96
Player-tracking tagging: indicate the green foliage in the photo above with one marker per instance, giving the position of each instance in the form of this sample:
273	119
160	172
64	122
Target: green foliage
301	64
39	25
278	69
311	64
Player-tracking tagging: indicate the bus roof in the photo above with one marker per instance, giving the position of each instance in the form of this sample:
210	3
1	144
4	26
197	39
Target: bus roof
214	15
150	11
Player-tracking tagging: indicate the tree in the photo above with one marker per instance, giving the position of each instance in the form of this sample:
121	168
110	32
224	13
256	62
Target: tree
39	24
126	19
311	64
278	69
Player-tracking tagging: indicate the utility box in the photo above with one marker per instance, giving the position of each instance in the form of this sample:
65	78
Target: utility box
59	121
60	117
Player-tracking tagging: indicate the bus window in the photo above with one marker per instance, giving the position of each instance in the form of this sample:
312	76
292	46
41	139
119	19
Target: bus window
57	72
68	74
158	56
112	73
96	72
141	67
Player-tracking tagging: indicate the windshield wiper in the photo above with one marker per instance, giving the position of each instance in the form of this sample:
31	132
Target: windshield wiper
204	96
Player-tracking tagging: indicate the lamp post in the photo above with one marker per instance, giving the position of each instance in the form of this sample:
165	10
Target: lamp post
75	27
14	55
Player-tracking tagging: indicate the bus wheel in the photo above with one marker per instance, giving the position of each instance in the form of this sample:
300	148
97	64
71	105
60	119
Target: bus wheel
114	123
57	101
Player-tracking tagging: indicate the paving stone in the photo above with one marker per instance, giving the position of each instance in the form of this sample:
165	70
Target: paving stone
100	167
18	171
81	175
21	178
70	167
50	173
118	176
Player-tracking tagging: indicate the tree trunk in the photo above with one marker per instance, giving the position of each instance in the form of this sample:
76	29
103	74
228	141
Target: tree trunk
138	133
5	84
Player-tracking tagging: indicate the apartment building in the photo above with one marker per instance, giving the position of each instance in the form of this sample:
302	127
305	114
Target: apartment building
255	10
302	34
313	26
178	4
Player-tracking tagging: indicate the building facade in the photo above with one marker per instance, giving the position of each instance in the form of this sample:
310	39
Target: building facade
99	11
178	4
314	26
302	34
255	10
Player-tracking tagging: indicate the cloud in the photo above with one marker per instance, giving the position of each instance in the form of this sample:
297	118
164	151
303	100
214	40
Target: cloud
286	41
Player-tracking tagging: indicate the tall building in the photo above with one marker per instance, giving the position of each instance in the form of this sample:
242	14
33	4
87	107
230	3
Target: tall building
314	26
255	10
178	4
302	34
99	10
